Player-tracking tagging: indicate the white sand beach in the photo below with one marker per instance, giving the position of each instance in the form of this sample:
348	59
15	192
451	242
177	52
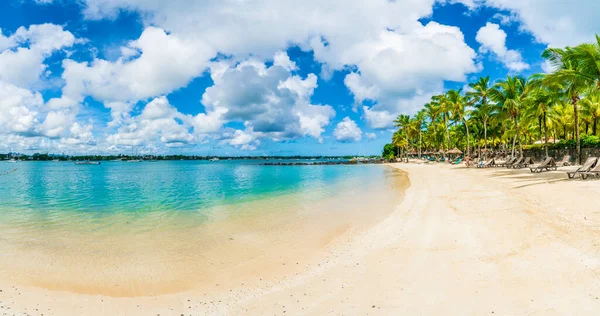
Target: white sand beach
461	242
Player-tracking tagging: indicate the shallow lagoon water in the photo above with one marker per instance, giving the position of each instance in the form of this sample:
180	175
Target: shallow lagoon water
129	229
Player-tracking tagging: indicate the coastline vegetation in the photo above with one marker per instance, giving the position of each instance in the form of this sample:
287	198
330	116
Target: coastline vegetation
560	109
52	157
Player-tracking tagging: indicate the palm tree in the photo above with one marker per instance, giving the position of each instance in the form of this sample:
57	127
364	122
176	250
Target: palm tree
402	122
572	76
561	116
480	96
442	101
510	94
540	98
590	107
587	58
432	111
458	107
418	121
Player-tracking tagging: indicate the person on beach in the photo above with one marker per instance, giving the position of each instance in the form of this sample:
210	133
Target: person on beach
467	161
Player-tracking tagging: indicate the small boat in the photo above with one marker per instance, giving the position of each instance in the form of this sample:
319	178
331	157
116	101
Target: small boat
134	160
87	162
214	159
12	160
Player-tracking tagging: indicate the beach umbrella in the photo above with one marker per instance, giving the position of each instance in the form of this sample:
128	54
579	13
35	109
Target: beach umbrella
454	151
440	152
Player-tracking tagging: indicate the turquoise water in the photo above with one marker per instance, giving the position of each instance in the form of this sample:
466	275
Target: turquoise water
161	227
165	186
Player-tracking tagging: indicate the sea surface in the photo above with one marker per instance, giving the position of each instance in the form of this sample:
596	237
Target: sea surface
166	186
148	228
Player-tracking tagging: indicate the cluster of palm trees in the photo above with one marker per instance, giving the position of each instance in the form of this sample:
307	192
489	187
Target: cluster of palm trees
512	113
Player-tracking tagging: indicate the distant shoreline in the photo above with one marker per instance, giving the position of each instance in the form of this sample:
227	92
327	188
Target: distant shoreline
52	157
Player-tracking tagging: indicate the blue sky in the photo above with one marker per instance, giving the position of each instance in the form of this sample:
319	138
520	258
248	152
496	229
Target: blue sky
254	78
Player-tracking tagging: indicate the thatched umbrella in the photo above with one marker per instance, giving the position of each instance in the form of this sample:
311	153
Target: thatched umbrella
441	152
454	151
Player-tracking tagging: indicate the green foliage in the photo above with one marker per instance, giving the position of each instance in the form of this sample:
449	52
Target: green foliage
587	141
590	141
558	145
389	151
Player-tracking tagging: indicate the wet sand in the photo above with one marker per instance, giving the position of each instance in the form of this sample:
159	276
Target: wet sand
461	242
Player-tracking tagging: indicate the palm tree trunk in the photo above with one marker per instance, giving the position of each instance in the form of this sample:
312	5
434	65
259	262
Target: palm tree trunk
587	127
485	133
540	125
467	128
575	100
518	137
513	145
594	126
515	137
447	133
420	142
545	135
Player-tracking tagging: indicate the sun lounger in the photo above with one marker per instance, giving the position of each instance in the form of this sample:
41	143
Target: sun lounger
526	163
487	164
593	172
587	166
515	163
547	165
564	161
509	161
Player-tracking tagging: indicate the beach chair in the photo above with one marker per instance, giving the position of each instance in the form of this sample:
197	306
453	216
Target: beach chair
487	164
587	166
565	161
515	163
526	163
547	165
509	161
593	172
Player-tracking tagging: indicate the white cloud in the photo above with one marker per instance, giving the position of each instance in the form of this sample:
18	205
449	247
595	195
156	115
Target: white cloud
493	39
378	119
57	123
22	54
360	90
506	19
245	140
410	59
371	136
166	62
283	60
23	113
159	123
347	131
556	23
19	109
272	101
